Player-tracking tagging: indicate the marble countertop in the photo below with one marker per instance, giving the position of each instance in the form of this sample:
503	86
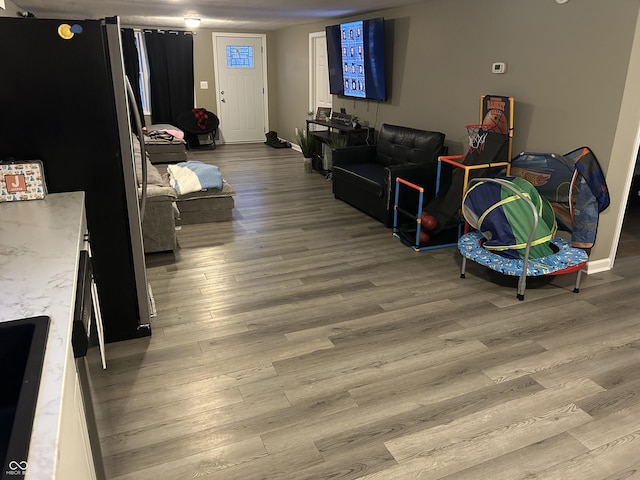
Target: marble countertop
40	241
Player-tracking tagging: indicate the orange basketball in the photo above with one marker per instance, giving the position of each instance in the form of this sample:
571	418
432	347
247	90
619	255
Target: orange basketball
428	222
495	121
424	237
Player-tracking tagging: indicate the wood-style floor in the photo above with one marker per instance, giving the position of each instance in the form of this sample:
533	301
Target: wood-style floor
302	341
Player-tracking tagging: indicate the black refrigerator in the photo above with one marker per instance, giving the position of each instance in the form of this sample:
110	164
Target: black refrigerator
63	100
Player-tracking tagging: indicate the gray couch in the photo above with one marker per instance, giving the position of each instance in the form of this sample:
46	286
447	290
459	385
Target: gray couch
159	221
165	208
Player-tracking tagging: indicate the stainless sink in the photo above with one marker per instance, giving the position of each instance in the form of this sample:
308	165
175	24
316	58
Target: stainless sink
22	346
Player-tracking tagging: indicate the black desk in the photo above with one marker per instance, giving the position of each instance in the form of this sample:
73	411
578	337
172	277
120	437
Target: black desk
354	136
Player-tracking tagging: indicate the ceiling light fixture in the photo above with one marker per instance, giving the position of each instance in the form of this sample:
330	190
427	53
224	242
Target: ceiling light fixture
192	22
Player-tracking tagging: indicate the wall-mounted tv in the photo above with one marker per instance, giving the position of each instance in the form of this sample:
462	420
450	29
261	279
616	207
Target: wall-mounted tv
355	54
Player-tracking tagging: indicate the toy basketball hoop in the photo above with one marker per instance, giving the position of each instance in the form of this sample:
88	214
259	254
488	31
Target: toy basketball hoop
477	136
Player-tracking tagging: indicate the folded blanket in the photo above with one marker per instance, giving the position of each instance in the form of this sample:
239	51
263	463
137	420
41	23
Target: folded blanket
192	176
163	129
201	116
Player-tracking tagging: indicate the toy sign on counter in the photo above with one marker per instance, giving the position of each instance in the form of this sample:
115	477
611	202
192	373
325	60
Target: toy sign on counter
22	181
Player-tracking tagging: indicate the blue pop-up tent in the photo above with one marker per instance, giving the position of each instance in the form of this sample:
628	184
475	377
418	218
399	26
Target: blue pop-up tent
575	186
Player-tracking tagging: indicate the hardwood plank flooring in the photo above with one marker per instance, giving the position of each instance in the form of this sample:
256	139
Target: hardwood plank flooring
301	341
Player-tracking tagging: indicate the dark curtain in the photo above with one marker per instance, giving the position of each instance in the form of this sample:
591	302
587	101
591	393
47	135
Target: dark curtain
170	57
132	70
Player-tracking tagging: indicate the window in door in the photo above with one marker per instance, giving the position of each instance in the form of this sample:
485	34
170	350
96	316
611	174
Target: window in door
239	56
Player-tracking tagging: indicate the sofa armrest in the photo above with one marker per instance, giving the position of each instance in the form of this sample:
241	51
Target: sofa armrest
355	154
405	170
422	175
160	193
415	173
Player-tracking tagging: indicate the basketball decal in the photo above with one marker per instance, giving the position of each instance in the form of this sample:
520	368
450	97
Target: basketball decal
496	115
495	121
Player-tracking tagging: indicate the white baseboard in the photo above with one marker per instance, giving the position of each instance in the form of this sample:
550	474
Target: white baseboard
598	266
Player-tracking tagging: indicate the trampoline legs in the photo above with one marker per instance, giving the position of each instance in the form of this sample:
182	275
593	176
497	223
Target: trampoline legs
463	267
522	285
576	289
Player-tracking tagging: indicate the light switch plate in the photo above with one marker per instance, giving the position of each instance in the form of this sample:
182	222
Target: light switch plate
204	85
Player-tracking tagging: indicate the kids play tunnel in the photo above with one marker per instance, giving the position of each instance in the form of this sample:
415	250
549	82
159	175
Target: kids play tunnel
506	220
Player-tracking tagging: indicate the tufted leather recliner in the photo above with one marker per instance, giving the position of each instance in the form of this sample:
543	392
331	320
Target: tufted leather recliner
365	176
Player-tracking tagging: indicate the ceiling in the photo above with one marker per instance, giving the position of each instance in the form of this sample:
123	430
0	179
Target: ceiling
261	15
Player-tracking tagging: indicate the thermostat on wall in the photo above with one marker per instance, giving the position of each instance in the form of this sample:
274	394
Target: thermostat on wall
498	67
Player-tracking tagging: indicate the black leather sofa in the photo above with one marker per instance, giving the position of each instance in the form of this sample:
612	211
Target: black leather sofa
365	176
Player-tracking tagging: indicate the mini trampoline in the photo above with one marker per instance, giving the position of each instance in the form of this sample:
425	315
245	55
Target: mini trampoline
562	259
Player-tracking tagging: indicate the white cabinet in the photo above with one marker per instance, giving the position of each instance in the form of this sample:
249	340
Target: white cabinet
79	454
75	457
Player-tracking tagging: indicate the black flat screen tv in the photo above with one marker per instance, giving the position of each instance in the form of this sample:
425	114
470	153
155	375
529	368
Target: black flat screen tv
355	55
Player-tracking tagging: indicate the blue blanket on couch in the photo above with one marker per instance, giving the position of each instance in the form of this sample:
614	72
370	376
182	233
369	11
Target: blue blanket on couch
192	176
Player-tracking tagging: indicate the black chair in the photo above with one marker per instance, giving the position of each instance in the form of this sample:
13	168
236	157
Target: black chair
365	176
200	127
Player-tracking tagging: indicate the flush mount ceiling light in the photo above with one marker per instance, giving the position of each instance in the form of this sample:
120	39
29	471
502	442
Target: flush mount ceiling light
192	22
561	1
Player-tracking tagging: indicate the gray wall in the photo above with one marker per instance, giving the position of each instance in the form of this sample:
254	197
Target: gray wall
11	9
566	68
203	70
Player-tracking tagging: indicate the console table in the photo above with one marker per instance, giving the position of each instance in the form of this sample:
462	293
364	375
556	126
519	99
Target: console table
354	136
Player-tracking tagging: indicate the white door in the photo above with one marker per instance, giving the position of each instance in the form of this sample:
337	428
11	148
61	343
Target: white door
319	95
240	74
